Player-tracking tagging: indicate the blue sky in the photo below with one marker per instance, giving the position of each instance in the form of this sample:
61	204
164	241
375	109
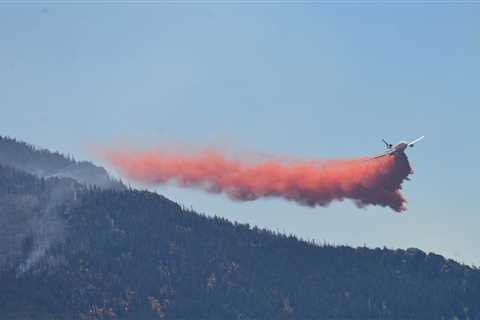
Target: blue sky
303	80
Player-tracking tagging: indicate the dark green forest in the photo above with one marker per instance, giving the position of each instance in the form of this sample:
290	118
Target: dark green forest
80	251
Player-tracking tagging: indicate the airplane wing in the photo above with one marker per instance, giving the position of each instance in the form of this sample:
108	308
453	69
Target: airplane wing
415	141
382	155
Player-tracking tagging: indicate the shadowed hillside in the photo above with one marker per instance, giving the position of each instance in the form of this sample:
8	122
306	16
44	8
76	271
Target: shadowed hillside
44	163
74	252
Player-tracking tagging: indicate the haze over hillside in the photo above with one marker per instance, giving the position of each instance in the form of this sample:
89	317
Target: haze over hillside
44	163
74	251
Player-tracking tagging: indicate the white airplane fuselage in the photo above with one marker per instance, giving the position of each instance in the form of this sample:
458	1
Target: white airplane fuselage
399	147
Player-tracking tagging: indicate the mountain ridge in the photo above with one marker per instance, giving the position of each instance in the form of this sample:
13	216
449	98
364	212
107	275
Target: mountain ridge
44	163
77	251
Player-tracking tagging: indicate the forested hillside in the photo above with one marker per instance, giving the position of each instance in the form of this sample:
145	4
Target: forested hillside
69	251
44	163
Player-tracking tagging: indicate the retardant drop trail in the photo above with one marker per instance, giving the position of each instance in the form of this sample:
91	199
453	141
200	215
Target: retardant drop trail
312	183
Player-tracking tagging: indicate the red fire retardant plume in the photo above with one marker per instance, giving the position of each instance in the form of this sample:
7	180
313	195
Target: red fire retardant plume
312	183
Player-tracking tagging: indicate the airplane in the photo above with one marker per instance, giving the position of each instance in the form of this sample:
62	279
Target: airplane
399	147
